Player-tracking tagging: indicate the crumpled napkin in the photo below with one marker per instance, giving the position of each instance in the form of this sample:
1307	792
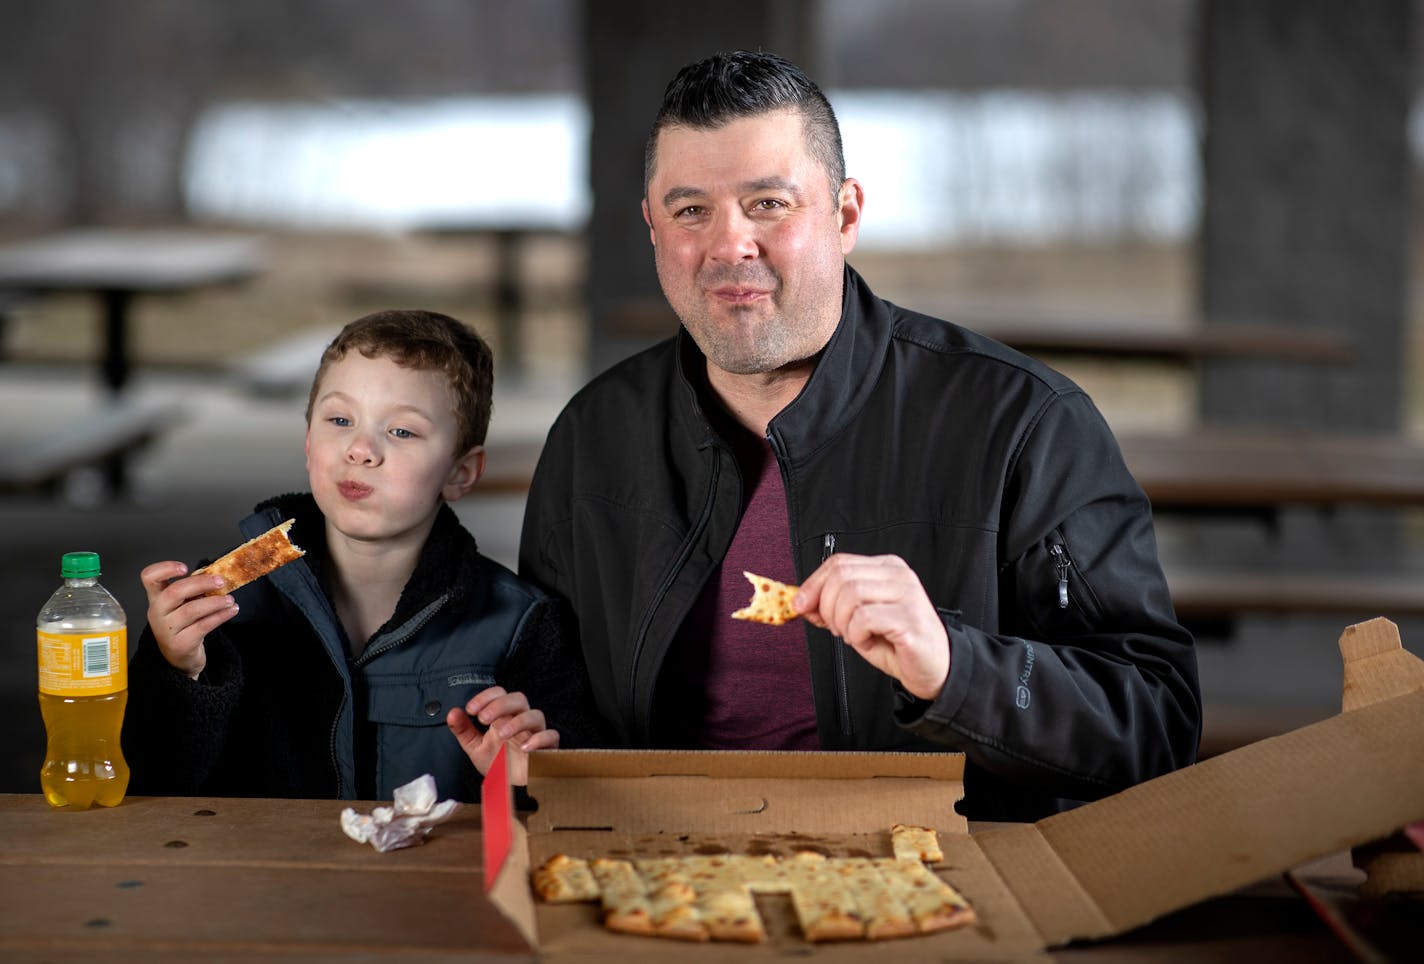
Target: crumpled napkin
405	823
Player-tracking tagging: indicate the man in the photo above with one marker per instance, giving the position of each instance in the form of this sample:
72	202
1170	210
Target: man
978	569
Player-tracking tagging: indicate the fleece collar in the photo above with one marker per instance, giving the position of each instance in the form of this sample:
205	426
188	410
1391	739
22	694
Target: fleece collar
447	565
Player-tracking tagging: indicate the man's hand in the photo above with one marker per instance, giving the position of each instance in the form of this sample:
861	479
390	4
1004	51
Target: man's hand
508	720
878	606
180	616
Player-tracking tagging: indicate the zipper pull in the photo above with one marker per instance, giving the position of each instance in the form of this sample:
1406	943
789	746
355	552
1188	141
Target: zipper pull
1060	562
828	546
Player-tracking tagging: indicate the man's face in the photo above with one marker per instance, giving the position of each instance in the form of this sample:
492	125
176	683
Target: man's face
750	240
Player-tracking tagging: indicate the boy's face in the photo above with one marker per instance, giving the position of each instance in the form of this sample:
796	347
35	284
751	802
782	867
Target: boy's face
379	449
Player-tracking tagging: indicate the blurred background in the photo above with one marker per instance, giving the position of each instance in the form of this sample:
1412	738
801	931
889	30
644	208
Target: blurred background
1201	211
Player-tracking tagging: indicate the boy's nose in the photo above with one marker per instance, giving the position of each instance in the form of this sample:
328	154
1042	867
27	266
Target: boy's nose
361	452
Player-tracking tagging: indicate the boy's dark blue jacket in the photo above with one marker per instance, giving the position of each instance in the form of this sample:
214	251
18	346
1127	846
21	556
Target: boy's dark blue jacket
283	710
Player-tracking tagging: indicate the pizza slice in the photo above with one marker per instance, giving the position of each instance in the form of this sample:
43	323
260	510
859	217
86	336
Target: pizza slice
915	843
933	904
674	911
770	602
823	903
254	559
731	915
564	880
626	907
884	913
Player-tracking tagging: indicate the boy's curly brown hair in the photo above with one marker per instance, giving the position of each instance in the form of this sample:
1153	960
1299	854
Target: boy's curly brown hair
425	341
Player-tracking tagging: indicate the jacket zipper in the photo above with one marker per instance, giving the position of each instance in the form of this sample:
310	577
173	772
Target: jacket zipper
410	628
828	548
684	551
1061	564
391	643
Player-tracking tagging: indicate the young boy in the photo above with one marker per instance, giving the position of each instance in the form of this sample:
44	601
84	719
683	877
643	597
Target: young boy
358	667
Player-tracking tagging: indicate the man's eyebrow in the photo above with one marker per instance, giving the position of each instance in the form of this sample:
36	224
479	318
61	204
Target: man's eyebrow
680	193
773	183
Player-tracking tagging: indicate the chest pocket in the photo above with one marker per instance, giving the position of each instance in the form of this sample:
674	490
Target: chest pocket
407	714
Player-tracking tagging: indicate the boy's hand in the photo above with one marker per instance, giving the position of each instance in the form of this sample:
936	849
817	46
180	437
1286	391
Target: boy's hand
508	720
180	616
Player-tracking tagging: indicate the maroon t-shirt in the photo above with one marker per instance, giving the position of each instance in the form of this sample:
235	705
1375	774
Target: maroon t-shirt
729	684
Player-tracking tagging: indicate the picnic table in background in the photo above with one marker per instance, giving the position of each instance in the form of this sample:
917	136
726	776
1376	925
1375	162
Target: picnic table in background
1168	338
116	265
510	289
1259	472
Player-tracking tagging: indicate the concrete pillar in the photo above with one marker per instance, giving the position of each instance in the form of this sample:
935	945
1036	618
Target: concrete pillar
1306	214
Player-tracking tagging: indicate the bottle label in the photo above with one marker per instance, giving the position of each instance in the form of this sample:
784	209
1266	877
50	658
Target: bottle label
84	664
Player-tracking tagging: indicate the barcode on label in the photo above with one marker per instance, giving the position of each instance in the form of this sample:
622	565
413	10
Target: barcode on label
96	656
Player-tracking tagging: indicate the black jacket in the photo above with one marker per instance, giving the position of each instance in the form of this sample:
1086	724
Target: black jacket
282	710
993	476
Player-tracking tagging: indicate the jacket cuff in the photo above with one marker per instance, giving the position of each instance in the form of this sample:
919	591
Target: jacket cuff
927	717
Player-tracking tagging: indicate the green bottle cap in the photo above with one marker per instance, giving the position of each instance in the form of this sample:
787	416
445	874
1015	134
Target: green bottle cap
79	565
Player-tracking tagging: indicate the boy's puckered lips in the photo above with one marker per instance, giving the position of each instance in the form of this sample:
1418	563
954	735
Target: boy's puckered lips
355	491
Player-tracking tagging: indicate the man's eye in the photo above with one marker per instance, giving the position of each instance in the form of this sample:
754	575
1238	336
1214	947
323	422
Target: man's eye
691	211
768	204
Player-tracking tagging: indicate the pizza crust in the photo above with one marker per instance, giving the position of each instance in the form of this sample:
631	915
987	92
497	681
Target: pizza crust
254	559
563	879
915	843
770	603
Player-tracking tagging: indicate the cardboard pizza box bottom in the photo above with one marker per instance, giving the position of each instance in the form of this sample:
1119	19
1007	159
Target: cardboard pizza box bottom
1093	872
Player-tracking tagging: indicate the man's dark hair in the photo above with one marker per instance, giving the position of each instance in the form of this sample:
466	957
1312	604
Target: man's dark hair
730	86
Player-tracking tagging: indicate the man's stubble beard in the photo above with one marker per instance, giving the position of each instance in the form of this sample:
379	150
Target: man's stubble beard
756	344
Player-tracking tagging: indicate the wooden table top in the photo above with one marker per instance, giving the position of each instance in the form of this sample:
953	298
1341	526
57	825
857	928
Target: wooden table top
132	260
1248	468
1115	334
183	878
179	879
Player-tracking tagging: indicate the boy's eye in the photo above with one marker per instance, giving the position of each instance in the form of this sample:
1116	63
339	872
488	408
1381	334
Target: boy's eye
339	420
402	433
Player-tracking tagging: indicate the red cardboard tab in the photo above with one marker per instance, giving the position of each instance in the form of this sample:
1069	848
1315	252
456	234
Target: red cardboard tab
496	817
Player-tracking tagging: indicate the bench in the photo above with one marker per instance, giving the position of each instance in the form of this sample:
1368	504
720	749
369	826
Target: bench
1209	601
103	439
1221	592
509	466
1229	470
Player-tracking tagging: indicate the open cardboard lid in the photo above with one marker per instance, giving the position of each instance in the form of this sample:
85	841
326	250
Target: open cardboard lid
1203	831
1093	872
641	791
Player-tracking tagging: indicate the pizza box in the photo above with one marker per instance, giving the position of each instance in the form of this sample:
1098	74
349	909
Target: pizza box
1093	872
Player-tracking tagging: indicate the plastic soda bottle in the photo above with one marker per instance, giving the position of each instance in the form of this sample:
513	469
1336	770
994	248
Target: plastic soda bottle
83	688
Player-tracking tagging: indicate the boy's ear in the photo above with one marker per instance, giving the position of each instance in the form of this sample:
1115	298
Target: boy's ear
464	474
